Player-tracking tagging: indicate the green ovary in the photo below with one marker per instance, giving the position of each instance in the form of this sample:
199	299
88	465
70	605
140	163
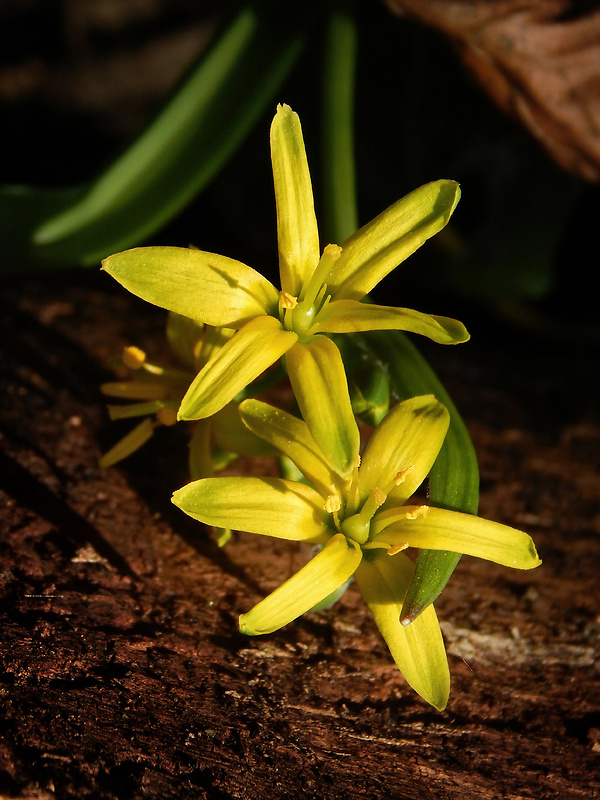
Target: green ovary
356	528
302	318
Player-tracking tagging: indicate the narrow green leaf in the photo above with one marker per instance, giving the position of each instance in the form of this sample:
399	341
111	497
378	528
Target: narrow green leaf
454	478
200	127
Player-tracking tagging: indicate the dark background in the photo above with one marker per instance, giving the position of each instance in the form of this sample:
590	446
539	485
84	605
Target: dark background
123	675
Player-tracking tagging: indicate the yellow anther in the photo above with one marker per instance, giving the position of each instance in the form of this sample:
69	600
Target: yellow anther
420	511
332	504
166	416
287	300
358	460
397	548
133	357
402	475
378	496
334	251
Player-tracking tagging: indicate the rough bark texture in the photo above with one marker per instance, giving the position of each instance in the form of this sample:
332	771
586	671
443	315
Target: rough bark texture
123	674
538	60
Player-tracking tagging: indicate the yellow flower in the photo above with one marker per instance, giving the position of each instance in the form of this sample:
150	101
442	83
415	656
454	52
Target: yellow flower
362	520
158	390
321	293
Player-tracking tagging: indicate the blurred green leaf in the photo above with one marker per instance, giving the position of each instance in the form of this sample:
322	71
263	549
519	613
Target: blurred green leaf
170	162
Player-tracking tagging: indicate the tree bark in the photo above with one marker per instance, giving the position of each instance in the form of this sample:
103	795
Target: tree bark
123	673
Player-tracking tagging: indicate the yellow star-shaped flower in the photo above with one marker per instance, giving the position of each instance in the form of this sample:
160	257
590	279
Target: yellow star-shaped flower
321	293
362	520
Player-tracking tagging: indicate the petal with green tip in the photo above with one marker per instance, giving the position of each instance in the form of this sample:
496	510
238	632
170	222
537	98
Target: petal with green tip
317	375
352	316
380	245
267	506
403	447
241	360
440	529
203	286
297	232
293	439
418	650
323	574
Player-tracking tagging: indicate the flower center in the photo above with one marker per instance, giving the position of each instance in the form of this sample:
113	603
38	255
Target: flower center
358	526
298	313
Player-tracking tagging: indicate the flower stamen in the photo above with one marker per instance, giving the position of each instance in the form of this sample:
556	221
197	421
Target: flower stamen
287	300
133	357
420	511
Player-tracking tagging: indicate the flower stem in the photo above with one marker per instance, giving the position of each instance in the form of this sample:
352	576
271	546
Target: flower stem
339	183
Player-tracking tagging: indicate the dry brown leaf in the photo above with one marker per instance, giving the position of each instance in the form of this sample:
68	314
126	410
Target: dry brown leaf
538	59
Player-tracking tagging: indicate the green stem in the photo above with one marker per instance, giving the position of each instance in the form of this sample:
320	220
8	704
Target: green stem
339	182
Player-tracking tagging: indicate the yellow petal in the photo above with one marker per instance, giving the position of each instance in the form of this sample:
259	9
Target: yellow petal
319	382
128	444
350	316
291	437
242	359
231	435
403	447
184	336
440	529
136	409
380	245
267	506
419	652
325	573
135	390
203	286
297	233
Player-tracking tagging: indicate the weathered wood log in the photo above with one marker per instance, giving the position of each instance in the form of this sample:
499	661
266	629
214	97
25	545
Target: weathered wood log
122	671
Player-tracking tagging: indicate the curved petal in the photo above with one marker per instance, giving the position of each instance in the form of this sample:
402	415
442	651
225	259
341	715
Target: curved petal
440	529
291	437
350	316
419	651
323	574
232	436
403	448
203	286
267	506
380	245
242	359
318	378
297	232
